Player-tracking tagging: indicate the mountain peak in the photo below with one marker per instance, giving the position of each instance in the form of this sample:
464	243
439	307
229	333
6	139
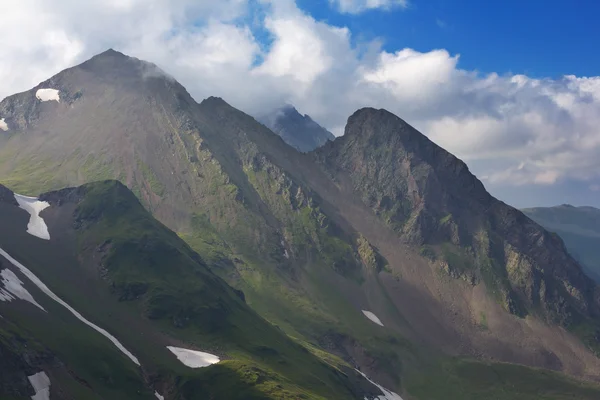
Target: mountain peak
394	164
116	65
214	101
380	122
110	53
297	130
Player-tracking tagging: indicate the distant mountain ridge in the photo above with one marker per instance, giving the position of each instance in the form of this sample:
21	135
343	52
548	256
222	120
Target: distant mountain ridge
579	227
297	130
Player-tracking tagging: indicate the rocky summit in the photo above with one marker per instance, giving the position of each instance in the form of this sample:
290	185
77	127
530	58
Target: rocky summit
230	261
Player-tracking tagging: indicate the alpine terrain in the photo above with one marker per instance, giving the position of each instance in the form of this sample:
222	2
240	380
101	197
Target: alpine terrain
374	267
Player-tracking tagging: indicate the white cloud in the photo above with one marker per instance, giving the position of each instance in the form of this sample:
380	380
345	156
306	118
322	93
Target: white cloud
298	51
358	6
511	129
411	75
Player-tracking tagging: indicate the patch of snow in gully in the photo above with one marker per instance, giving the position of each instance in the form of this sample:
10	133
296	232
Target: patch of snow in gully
36	226
387	394
41	385
13	289
158	396
37	282
193	358
372	317
47	95
3	125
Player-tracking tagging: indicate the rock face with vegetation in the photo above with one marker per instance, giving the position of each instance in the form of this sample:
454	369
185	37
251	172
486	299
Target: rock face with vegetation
283	252
432	200
297	130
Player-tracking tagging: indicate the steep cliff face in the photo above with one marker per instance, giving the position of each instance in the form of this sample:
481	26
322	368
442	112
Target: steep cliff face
433	201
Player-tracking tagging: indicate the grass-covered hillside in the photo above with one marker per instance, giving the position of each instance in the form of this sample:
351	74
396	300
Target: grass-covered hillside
113	262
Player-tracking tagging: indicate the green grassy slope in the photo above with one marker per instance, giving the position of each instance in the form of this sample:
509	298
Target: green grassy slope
455	379
147	271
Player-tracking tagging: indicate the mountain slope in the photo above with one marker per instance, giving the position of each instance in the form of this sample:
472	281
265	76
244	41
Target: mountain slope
579	227
133	277
430	201
430	198
297	130
321	249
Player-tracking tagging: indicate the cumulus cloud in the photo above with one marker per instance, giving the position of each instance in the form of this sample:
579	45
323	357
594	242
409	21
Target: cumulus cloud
512	130
358	6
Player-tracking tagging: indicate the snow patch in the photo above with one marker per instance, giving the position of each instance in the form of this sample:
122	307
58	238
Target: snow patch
37	282
193	358
387	394
372	317
3	125
47	95
36	226
13	289
158	396
41	385
285	252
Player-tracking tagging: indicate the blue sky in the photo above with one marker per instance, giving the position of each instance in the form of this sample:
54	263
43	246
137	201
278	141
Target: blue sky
532	37
521	105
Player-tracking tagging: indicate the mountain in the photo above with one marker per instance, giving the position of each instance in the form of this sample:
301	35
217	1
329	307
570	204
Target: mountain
297	130
108	261
378	251
431	200
579	227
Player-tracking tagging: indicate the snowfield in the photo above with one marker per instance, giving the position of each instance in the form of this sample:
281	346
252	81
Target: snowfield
372	317
3	125
193	358
13	289
36	226
37	282
47	95
41	385
158	396
387	394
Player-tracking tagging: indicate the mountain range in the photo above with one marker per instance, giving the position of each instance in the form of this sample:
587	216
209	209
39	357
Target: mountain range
374	266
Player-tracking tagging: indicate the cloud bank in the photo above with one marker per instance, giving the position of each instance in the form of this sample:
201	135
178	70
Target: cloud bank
514	131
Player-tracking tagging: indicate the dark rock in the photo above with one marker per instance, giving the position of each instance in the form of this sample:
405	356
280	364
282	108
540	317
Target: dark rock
7	196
